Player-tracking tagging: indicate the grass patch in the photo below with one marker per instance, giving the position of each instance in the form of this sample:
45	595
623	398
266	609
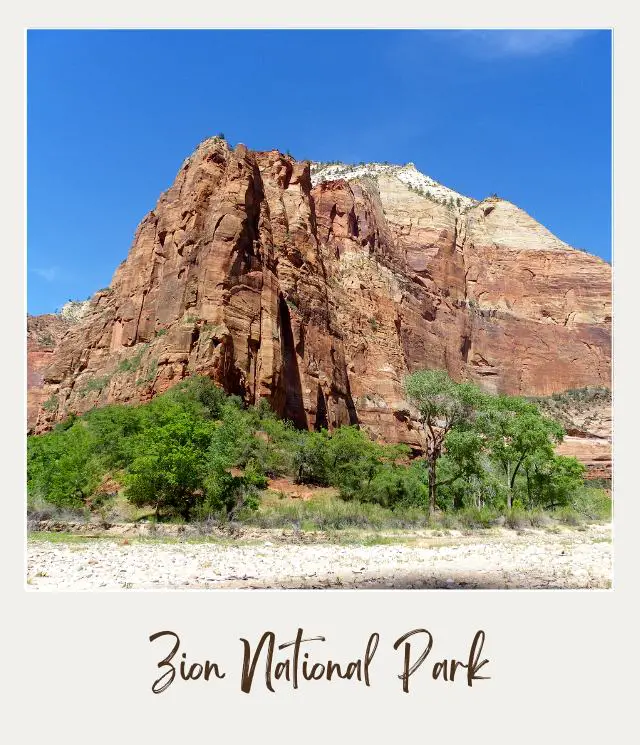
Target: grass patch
131	364
75	538
49	537
95	384
592	503
51	404
477	517
331	513
150	373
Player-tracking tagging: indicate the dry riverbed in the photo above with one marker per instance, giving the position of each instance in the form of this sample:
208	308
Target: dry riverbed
497	558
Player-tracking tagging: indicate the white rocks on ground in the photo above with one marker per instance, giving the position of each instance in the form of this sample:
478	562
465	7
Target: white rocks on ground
503	559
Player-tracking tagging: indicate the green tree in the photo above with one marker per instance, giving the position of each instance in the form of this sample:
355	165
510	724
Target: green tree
515	431
309	458
61	466
168	468
200	395
352	460
462	461
229	492
233	440
394	486
552	482
442	405
113	429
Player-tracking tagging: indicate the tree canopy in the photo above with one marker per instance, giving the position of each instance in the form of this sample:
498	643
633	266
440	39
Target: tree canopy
195	452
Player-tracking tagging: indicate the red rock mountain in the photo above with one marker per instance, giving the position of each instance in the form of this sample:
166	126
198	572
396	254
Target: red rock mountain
319	287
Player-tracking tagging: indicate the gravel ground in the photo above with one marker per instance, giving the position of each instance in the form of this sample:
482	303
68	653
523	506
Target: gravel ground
501	558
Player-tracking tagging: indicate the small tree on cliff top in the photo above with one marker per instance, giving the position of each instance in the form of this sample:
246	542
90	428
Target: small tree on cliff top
442	405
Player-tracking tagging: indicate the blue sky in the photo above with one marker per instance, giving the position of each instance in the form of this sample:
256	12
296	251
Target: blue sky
111	115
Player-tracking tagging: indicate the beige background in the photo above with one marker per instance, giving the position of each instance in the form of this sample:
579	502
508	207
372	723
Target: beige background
78	668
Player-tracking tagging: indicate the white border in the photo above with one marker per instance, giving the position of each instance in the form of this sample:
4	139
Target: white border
562	664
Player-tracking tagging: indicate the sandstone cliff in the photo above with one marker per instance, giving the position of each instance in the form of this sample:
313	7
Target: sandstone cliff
322	292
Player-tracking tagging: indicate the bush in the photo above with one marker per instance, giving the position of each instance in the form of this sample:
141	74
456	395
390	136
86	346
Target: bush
516	518
168	467
133	363
200	395
592	503
478	517
568	516
228	494
51	404
112	429
62	468
336	514
310	459
38	509
95	384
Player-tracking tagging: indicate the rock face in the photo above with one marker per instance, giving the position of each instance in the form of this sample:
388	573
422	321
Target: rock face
587	422
43	335
320	293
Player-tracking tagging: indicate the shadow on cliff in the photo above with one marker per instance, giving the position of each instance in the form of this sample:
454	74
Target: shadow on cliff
294	403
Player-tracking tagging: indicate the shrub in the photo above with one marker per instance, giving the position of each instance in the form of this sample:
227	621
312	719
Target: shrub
95	384
113	429
568	516
477	517
51	404
168	468
131	364
150	373
200	395
66	423
516	518
61	467
310	459
228	494
336	514
592	503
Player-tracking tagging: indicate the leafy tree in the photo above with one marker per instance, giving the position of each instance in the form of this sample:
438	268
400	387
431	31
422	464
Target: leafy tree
310	458
346	459
515	431
233	441
394	486
352	460
168	468
229	492
552	482
463	463
442	405
275	445
61	467
113	429
200	395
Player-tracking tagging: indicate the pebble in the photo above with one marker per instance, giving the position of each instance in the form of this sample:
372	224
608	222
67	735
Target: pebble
502	559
